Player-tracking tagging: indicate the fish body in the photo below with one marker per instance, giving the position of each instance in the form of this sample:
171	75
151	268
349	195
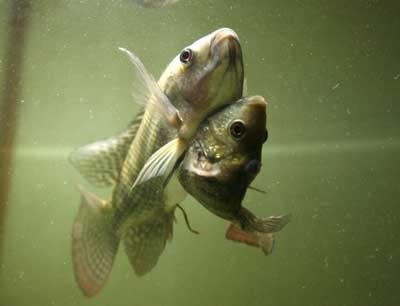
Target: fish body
203	77
218	75
221	163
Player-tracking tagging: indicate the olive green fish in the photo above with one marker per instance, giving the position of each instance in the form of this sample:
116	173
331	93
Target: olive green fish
221	163
205	76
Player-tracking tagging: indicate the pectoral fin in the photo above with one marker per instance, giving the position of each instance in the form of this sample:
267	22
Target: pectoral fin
147	91
162	162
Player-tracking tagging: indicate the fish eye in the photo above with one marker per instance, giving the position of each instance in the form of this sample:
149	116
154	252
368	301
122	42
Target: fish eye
238	129
265	136
186	56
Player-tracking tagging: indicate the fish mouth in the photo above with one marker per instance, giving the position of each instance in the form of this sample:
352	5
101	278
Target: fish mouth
258	102
203	168
223	82
227	39
202	165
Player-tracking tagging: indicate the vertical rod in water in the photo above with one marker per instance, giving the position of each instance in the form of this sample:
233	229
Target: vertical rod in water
13	59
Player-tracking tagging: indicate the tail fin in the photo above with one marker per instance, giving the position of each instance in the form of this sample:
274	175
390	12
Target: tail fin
265	241
94	244
145	243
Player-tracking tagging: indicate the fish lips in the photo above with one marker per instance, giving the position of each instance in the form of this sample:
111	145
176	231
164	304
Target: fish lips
225	47
221	199
200	163
226	39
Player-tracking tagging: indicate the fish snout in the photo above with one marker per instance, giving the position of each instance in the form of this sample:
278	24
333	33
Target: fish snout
257	102
226	33
226	42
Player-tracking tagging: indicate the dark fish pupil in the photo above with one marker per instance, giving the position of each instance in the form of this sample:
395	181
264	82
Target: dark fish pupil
237	129
186	56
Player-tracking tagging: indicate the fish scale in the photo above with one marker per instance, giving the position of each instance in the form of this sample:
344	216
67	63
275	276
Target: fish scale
151	135
101	162
218	169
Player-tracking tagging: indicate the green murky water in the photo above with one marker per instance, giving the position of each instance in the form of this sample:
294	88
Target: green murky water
331	73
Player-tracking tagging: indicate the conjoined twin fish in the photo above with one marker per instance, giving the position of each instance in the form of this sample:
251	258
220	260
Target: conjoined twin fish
215	136
140	162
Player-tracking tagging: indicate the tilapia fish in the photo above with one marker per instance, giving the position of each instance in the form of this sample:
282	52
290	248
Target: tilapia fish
221	163
185	112
205	76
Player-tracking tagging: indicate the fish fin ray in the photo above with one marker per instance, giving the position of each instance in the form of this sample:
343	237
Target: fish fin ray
94	244
162	161
100	163
144	243
265	241
275	223
271	224
147	91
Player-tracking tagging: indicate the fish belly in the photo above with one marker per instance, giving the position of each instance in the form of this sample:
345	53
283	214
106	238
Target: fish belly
173	193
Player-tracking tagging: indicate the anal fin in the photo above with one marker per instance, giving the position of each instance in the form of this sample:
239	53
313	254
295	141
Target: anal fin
144	243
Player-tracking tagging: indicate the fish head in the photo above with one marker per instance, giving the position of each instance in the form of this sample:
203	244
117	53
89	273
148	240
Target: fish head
206	75
225	156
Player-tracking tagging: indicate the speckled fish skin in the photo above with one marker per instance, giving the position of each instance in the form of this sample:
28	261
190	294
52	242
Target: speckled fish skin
143	217
218	168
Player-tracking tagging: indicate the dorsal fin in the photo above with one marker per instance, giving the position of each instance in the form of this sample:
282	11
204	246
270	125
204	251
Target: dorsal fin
100	163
